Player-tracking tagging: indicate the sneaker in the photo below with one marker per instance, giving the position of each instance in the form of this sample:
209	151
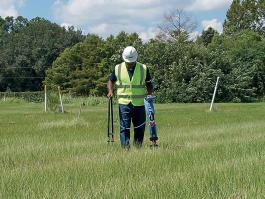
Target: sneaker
153	143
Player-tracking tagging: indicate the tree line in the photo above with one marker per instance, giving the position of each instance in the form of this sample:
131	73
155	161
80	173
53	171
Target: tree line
183	70
28	48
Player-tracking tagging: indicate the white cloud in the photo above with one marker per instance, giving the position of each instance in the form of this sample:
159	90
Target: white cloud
100	29
214	23
9	7
66	25
105	17
105	29
194	35
82	11
149	34
201	5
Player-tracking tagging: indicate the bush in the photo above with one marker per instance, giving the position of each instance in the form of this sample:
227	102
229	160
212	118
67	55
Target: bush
26	96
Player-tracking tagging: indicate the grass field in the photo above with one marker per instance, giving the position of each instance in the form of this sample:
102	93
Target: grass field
200	155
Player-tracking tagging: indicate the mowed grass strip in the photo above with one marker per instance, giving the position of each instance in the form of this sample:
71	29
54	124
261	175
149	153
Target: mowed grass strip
201	154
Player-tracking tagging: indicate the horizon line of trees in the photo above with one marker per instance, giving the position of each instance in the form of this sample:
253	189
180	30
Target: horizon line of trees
28	48
182	70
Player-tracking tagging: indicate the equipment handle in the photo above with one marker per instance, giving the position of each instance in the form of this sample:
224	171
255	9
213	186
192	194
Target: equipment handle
110	119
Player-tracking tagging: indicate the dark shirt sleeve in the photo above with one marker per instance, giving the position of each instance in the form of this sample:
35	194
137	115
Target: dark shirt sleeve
113	77
148	82
148	76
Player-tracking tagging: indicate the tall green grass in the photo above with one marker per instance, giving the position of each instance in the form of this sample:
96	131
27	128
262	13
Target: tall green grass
201	154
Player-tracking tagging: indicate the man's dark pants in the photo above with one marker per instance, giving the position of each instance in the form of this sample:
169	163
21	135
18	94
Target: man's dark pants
136	114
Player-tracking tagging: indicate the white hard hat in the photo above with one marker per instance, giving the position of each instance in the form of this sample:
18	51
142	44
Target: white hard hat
129	54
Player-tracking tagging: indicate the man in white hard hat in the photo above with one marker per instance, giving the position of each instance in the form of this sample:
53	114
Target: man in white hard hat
134	83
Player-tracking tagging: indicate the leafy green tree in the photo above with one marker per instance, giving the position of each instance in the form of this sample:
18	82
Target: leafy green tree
245	14
241	58
182	70
84	69
207	36
28	49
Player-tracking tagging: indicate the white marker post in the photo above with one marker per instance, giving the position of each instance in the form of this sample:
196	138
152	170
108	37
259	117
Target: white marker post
45	98
214	93
61	100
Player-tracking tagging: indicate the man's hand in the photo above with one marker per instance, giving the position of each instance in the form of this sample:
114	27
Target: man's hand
149	87
110	89
110	94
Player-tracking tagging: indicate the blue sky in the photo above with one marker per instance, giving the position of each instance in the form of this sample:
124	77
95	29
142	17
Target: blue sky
105	17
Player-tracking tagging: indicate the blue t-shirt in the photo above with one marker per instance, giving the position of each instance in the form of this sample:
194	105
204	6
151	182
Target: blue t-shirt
113	77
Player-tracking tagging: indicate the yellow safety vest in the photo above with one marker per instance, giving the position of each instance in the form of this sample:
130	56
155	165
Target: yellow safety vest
131	90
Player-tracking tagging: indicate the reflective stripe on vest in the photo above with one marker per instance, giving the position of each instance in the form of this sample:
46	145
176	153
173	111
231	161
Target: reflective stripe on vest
142	73
131	86
119	74
132	96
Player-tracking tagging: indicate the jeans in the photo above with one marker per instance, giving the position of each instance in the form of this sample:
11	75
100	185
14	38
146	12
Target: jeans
136	114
